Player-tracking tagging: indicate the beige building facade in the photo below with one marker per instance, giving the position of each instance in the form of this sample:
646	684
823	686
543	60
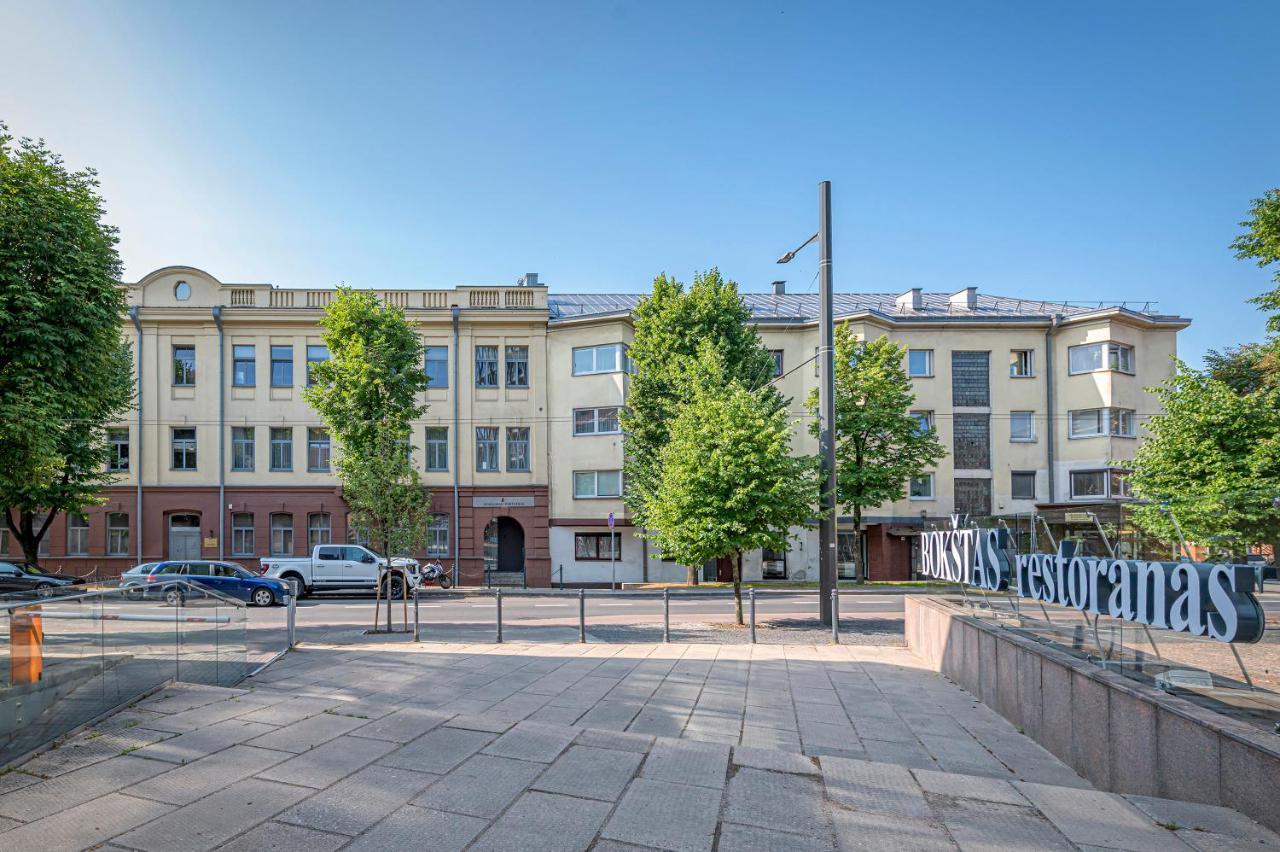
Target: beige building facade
1037	403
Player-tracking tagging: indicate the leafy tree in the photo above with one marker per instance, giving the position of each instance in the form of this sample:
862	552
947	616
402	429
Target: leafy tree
728	480
367	393
670	325
879	445
1261	243
1213	458
65	370
1245	368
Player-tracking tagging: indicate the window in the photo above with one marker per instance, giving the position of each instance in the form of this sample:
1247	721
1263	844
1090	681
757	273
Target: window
1087	484
436	363
242	448
591	547
920	362
597	483
77	535
518	449
281	534
117	534
184	448
517	366
776	355
315	355
118	439
242	534
318	450
356	535
319	529
1092	422
437	448
1023	484
1119	483
1022	427
487	448
281	448
921	487
438	535
773	564
281	366
182	291
924	421
486	366
1092	357
184	366
244	369
1022	363
609	358
596	421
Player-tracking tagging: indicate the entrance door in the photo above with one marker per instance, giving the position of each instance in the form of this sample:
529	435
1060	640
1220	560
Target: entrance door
184	537
724	569
504	552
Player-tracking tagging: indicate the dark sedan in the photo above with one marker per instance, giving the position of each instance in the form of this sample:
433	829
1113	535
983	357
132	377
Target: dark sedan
16	577
226	578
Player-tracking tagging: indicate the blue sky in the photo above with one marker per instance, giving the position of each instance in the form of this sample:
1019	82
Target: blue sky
1079	151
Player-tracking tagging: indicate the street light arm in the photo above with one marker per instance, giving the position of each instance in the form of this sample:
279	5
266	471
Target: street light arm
789	256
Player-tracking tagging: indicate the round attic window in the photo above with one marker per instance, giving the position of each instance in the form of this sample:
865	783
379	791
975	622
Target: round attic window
182	291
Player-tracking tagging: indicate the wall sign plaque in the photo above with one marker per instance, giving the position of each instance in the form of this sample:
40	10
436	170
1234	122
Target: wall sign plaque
501	501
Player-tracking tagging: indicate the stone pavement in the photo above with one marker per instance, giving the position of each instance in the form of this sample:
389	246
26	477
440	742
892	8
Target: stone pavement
575	747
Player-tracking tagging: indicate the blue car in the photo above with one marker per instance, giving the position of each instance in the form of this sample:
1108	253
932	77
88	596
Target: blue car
226	578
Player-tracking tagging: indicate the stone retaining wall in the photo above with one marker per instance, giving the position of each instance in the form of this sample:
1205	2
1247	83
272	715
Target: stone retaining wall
1121	735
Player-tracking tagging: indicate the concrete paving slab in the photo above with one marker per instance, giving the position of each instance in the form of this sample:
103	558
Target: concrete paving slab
85	825
214	819
968	787
194	745
590	773
859	831
290	711
185	784
774	800
1094	818
620	740
990	826
875	787
1204	818
664	815
413	827
358	801
683	762
750	838
438	751
75	788
533	741
402	726
282	837
328	762
482	786
543	822
774	760
307	734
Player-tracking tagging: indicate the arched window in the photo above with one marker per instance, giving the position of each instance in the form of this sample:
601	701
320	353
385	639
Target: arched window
282	534
319	529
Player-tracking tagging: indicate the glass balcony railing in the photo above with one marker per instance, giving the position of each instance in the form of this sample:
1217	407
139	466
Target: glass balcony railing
69	659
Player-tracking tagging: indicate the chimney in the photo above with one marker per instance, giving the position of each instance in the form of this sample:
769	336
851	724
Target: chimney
529	279
910	300
779	288
966	299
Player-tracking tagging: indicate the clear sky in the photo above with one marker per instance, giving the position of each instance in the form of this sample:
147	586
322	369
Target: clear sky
1078	151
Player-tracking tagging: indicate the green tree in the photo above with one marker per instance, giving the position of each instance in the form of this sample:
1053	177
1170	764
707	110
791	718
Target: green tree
65	370
879	444
728	481
1261	243
1245	368
368	394
1213	459
670	324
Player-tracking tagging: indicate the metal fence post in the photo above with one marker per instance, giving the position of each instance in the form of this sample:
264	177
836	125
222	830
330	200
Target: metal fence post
666	615
498	600
751	599
415	615
582	615
291	622
835	617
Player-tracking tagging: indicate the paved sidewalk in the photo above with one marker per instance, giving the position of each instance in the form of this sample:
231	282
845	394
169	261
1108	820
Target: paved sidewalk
564	747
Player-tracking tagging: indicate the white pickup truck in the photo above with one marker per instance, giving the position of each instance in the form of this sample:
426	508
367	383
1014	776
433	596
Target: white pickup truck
337	566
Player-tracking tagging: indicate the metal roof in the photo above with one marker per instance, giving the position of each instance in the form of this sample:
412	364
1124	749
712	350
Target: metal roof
804	306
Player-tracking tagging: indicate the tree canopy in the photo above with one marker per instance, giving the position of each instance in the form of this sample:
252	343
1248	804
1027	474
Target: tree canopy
879	444
368	394
65	370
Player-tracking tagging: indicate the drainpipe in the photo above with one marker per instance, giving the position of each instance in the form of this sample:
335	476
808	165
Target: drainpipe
222	434
1051	435
457	441
137	457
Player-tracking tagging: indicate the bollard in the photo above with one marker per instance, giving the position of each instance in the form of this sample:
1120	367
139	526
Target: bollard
416	633
751	599
835	617
666	615
582	615
498	601
292	623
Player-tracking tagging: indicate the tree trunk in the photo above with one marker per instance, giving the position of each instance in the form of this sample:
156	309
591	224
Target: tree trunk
737	586
27	535
693	575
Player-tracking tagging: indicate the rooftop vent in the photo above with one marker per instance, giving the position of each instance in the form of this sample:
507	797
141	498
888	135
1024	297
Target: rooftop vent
966	299
910	300
529	279
779	288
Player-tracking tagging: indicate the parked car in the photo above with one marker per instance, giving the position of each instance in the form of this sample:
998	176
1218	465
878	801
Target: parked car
226	578
338	566
17	577
133	580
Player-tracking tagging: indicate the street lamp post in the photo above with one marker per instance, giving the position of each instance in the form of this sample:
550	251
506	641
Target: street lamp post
827	403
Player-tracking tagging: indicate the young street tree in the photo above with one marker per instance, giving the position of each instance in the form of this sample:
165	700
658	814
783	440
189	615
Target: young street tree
65	370
1213	460
367	393
728	481
670	324
879	444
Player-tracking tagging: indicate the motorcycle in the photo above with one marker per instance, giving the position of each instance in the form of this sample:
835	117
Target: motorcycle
434	571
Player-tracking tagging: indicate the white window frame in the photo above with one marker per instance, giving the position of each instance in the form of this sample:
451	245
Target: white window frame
580	476
319	440
928	477
1015	356
1111	351
119	461
620	359
1107	418
595	421
239	357
431	444
1031	423
928	355
927	418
